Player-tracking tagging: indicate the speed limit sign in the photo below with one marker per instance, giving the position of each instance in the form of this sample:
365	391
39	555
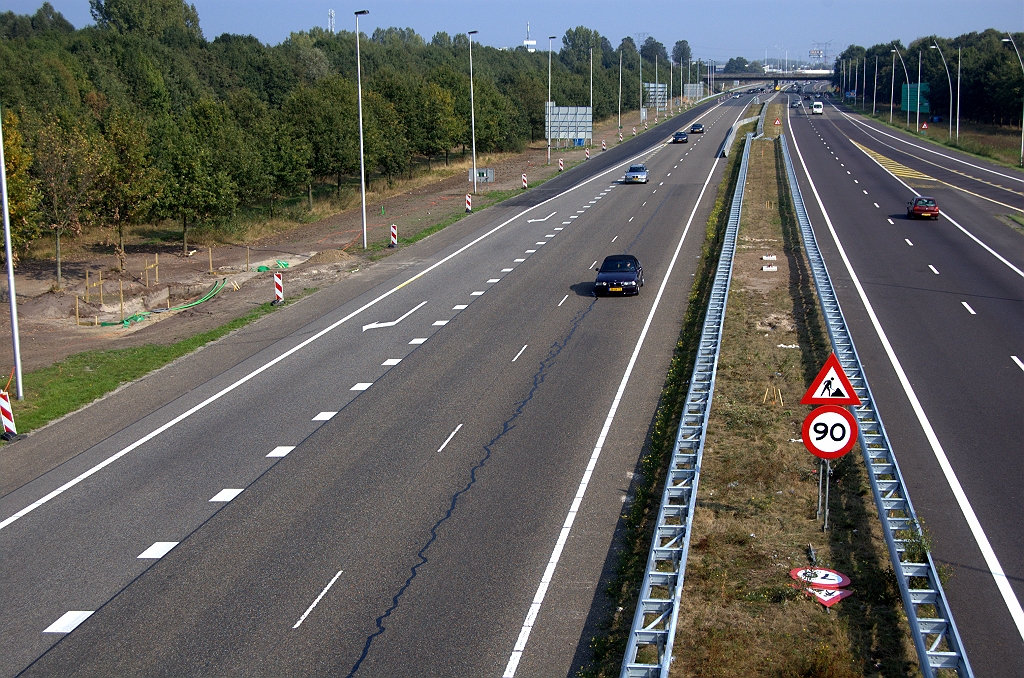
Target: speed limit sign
829	431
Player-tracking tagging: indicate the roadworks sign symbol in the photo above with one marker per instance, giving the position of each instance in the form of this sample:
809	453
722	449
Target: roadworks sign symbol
828	597
820	577
831	386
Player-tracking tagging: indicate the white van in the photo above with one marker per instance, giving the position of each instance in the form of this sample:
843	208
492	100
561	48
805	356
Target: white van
817	108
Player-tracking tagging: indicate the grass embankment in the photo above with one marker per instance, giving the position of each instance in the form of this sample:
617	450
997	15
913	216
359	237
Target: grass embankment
76	381
756	516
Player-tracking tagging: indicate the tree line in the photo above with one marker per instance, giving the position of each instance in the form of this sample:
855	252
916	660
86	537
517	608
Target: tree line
140	118
990	75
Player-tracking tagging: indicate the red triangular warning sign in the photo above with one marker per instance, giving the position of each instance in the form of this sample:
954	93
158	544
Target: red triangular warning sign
828	597
831	386
777	121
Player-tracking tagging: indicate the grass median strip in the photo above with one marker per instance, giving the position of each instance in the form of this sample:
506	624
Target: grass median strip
79	379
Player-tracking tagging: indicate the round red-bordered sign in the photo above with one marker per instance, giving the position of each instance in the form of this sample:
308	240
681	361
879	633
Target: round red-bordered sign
829	431
820	577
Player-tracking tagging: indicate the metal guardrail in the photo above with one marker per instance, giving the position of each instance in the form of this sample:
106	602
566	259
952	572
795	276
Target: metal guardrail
654	623
935	636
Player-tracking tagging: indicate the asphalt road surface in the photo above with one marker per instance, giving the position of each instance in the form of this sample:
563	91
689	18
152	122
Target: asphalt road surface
948	298
418	473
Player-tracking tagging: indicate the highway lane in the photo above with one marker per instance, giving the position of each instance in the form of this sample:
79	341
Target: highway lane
954	316
367	487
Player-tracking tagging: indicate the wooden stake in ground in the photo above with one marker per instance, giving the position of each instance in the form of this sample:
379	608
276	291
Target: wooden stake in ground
120	287
209	251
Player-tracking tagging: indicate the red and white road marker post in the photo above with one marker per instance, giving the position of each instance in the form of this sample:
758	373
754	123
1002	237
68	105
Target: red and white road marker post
394	235
561	165
7	415
524	182
604	146
588	154
278	288
620	137
634	131
469	203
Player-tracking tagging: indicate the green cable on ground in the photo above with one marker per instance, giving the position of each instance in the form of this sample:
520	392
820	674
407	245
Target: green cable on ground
139	317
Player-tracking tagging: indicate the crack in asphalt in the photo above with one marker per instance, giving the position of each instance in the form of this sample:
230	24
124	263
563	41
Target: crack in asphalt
538	378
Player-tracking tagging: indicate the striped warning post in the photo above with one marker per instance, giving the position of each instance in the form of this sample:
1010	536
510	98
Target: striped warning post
604	146
620	135
524	182
7	414
634	131
561	165
278	288
394	235
469	203
588	154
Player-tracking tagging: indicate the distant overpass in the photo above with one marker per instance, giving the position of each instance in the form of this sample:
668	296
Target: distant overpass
773	75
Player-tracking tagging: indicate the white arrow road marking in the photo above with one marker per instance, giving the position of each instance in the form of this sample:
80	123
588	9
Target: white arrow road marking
530	221
392	323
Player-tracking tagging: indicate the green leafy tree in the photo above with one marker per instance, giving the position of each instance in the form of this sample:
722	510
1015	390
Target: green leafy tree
147	17
652	48
69	162
441	126
326	116
129	186
23	195
681	52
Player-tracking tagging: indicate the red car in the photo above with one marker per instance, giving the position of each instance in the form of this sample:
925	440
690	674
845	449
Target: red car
923	207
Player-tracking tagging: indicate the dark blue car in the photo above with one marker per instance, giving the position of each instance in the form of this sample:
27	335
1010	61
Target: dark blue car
619	274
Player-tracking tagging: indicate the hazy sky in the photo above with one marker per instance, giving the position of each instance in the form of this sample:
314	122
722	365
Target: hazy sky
716	30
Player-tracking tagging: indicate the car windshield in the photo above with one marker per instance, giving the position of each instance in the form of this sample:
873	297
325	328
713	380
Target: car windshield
637	168
613	264
680	134
926	202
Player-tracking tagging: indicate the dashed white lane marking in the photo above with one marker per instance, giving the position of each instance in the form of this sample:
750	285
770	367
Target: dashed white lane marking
518	261
661	184
506	270
324	416
593	202
558	229
68	621
1018	361
538	244
667	175
520	352
644	203
460	307
281	451
676	166
391	362
574	217
865	192
580	212
158	550
876	206
417	341
969	309
439	323
318	598
550	235
563	300
855	181
450	436
630	219
566	223
592	265
907	240
476	294
362	386
847	171
530	251
227	494
491	281
615	238
891	222
934	270
654	191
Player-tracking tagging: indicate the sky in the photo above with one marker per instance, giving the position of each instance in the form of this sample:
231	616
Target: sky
715	30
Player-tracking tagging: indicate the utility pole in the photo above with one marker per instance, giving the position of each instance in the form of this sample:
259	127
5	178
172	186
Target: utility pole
918	129
591	96
620	89
359	84
11	295
874	90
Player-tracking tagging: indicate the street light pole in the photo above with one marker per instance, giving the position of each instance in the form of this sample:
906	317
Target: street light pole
12	296
935	46
359	85
591	96
472	106
874	89
547	106
958	96
907	75
620	89
1009	39
918	123
892	84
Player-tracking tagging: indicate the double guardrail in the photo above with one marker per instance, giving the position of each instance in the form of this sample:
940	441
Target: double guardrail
935	636
649	649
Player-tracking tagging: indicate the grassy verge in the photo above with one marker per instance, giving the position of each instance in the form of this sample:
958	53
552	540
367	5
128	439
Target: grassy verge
756	511
608	648
79	379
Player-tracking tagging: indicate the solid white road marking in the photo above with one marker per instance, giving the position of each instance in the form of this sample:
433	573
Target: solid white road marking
158	550
549	571
908	242
449	438
460	307
984	545
324	416
969	309
391	362
226	494
281	451
362	386
520	352
68	621
934	270
318	598
417	341
563	300
1018	361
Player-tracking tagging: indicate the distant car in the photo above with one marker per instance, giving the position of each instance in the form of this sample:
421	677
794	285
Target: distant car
795	104
807	96
735	96
619	274
697	128
680	138
923	207
637	174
